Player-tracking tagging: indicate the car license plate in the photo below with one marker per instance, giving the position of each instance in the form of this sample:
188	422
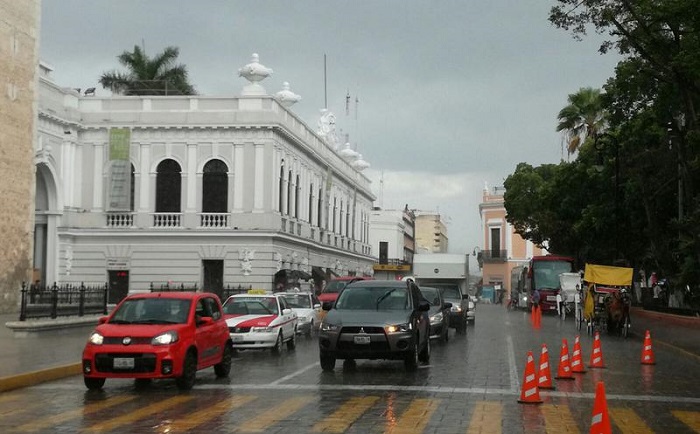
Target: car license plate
123	363
551	298
236	338
362	340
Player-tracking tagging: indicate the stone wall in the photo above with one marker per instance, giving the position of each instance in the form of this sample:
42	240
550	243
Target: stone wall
19	48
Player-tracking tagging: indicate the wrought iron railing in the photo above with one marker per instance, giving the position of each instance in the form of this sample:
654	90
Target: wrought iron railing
69	299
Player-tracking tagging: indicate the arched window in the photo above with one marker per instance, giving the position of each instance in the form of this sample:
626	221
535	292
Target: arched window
289	193
133	188
168	182
311	205
281	189
297	197
215	187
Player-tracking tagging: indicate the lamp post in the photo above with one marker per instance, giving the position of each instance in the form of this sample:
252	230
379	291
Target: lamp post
599	143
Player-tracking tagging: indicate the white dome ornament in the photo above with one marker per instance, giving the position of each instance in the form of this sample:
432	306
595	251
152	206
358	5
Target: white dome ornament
286	97
347	153
360	164
254	72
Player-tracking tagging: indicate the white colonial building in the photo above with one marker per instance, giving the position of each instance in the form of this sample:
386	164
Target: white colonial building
206	190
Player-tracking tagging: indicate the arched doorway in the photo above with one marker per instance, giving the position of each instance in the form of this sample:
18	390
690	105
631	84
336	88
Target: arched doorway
45	223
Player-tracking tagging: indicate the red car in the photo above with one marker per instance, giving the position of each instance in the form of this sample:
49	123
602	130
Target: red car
159	335
335	285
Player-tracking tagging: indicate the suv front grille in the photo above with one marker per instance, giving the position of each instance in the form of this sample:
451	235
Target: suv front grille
368	330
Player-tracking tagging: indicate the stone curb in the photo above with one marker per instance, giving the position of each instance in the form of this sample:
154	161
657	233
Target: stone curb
690	321
41	376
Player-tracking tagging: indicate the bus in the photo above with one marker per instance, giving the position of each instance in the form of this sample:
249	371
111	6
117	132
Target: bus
543	274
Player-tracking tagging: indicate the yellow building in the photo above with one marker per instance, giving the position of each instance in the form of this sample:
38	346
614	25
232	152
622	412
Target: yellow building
502	249
431	233
19	48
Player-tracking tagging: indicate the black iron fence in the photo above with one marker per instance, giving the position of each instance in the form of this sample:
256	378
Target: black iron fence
68	299
223	293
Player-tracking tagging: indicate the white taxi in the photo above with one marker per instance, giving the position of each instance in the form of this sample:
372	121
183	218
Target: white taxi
260	321
308	309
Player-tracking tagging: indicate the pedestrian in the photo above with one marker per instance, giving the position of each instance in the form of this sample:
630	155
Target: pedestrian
536	298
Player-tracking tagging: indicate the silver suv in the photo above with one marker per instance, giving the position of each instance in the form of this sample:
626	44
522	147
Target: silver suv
376	319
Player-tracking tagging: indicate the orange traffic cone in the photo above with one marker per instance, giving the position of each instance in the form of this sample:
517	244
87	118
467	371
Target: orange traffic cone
530	393
647	352
564	371
597	354
544	380
600	421
577	358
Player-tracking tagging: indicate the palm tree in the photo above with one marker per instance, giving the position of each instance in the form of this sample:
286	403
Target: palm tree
149	76
584	117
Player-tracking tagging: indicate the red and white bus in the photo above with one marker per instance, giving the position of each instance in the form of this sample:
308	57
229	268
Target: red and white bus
543	274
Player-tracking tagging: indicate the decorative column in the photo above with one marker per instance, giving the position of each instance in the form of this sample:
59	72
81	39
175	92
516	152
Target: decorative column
98	177
190	212
238	175
260	178
146	188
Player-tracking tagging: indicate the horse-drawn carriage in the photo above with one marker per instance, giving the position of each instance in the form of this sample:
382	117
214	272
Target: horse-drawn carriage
607	299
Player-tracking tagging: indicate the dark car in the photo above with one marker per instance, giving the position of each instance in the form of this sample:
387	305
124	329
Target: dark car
439	313
159	335
376	319
459	312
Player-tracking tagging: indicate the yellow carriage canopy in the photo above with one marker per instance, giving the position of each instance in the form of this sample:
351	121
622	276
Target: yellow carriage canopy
608	275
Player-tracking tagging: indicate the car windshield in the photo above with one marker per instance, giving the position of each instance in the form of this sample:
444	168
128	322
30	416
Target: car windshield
373	298
152	311
335	286
270	304
300	301
432	295
246	307
450	292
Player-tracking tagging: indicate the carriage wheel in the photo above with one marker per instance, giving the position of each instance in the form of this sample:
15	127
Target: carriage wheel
625	327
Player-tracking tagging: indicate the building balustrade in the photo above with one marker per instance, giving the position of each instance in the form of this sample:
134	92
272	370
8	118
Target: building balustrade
214	220
167	219
491	256
120	220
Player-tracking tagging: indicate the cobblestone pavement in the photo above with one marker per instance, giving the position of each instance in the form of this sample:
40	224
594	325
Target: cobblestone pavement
471	385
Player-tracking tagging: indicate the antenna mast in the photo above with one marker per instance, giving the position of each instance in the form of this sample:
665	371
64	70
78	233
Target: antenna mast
325	84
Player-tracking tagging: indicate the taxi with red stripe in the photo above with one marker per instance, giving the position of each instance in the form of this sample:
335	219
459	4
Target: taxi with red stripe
260	320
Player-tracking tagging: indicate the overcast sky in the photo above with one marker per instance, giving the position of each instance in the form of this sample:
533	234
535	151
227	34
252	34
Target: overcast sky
452	93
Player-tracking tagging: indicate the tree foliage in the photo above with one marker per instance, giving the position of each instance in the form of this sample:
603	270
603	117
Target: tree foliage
642	205
159	75
583	117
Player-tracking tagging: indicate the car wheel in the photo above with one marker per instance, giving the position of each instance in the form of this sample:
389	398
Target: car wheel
142	383
189	372
223	368
94	383
424	355
311	329
410	361
327	362
292	343
277	349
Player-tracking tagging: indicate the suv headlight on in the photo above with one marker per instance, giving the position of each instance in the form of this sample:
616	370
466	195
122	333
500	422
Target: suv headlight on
398	328
261	329
436	318
456	308
96	339
166	338
327	327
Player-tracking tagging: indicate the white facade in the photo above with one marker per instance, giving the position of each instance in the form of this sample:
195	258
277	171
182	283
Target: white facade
388	226
291	202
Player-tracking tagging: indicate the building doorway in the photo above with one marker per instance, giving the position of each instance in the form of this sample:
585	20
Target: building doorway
118	285
213	276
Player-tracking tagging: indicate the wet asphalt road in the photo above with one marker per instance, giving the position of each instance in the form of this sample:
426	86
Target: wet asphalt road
471	385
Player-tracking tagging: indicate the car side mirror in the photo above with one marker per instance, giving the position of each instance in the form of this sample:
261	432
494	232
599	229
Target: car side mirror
204	320
423	306
102	319
327	305
317	306
286	311
447	305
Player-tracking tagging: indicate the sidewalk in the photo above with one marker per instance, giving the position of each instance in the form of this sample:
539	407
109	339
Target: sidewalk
39	356
680	333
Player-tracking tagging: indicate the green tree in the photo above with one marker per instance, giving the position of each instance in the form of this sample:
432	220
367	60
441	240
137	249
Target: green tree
159	75
583	117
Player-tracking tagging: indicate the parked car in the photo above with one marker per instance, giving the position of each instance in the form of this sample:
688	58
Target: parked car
439	313
376	319
159	335
308	309
260	321
459	311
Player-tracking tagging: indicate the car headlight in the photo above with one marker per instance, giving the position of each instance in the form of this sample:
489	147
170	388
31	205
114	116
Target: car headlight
166	338
327	327
524	297
96	339
398	328
261	329
436	318
456	308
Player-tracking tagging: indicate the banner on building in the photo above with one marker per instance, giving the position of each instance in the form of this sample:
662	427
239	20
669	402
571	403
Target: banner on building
120	169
